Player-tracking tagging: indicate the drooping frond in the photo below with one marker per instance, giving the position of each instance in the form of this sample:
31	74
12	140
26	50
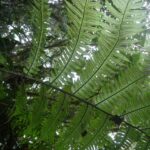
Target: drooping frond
124	97
117	34
83	21
76	127
39	15
58	112
127	138
124	82
21	106
39	107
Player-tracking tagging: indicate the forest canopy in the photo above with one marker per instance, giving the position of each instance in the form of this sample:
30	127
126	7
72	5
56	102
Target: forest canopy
74	75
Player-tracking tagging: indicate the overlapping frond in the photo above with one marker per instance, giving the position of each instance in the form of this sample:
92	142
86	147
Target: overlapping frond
39	15
127	138
20	109
83	21
125	82
126	96
117	34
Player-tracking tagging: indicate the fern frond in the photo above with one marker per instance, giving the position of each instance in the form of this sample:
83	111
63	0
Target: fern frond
139	113
124	93
114	37
125	81
38	107
39	16
129	139
53	122
20	104
76	126
85	129
83	20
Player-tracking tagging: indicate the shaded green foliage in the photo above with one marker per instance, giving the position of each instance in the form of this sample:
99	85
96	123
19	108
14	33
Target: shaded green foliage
75	75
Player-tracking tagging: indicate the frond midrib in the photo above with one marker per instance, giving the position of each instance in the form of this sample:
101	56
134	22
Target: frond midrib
119	32
137	109
121	90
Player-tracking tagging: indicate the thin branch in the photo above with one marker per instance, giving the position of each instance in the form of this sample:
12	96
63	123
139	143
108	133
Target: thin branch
4	104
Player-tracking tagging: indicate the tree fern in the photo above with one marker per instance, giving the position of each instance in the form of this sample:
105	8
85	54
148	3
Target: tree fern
108	106
114	36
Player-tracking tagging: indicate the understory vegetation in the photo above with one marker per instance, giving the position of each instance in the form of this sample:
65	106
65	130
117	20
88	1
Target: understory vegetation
74	75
